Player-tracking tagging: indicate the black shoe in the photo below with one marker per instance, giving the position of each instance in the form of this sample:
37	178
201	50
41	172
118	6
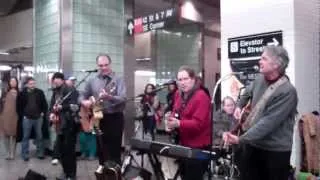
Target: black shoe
41	157
26	159
61	177
71	178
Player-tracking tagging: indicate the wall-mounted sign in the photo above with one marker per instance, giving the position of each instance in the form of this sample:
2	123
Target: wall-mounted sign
252	45
153	21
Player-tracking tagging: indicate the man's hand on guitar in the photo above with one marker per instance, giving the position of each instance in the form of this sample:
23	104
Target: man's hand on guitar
229	138
237	113
104	95
57	107
173	123
52	117
86	103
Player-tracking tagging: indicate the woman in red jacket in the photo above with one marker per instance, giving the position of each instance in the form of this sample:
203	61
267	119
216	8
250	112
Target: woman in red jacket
191	117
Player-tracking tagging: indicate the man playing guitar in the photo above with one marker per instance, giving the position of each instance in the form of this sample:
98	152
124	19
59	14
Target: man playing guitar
63	110
268	129
113	104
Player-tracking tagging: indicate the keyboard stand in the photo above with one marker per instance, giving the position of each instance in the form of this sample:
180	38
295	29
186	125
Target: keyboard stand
155	164
177	173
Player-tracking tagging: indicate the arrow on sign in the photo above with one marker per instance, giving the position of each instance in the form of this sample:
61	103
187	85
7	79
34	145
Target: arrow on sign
274	42
130	28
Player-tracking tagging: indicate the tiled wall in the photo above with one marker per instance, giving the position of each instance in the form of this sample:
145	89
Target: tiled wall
299	21
98	27
46	40
176	47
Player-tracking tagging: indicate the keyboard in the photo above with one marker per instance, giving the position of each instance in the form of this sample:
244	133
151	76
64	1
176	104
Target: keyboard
171	150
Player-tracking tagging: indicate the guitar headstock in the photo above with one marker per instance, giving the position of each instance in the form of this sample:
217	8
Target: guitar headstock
111	89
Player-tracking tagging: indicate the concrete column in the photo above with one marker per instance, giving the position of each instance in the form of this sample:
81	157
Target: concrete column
66	36
129	68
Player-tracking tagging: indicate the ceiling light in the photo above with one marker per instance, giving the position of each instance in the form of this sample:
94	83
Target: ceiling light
4	53
5	68
28	68
144	73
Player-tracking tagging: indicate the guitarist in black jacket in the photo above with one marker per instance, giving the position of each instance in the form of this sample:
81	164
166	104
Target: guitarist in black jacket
63	114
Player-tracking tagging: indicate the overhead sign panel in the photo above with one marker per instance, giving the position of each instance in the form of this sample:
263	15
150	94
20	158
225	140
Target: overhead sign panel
153	21
252	45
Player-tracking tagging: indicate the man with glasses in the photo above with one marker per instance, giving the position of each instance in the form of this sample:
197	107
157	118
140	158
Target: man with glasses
110	89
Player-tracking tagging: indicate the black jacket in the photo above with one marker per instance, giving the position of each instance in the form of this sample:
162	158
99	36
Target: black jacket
41	103
67	115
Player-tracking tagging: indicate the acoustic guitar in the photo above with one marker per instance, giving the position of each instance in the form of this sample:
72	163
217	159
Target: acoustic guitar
90	117
238	130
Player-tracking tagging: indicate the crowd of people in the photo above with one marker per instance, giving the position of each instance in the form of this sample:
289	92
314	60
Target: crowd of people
264	141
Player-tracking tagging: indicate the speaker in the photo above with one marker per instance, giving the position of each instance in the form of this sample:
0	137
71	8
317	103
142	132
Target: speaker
32	175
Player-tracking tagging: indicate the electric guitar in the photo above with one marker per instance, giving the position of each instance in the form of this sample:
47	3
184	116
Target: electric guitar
54	117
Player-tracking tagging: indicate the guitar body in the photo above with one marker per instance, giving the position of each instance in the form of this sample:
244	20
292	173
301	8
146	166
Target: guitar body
85	119
90	117
238	130
55	118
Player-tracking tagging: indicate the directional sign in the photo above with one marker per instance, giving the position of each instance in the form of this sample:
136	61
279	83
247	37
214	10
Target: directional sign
153	21
130	27
252	45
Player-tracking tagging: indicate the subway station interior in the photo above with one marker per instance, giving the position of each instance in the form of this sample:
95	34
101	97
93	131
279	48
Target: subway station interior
148	40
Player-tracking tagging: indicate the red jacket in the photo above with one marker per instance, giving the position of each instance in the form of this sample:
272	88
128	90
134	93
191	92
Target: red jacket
195	126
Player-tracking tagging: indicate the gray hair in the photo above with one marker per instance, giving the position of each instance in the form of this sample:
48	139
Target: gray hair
280	55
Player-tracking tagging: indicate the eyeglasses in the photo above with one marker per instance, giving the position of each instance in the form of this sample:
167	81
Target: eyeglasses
103	65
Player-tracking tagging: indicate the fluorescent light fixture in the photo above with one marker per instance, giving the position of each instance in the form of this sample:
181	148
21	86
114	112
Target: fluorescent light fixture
28	68
4	53
178	33
166	32
144	73
5	68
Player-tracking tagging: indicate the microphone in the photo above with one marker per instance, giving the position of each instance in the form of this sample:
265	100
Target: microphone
162	86
91	71
168	83
254	69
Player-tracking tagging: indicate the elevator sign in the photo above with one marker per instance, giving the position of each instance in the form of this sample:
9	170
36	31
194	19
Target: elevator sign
252	45
153	21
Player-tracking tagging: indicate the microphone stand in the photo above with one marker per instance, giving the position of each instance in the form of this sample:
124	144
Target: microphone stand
75	87
141	125
213	107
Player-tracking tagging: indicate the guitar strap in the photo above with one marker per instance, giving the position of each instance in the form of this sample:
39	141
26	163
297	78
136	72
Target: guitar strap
110	82
257	110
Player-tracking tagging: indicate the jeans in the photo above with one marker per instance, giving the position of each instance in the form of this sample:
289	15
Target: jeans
27	126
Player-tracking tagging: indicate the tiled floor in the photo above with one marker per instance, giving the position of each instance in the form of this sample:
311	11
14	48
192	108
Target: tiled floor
12	170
